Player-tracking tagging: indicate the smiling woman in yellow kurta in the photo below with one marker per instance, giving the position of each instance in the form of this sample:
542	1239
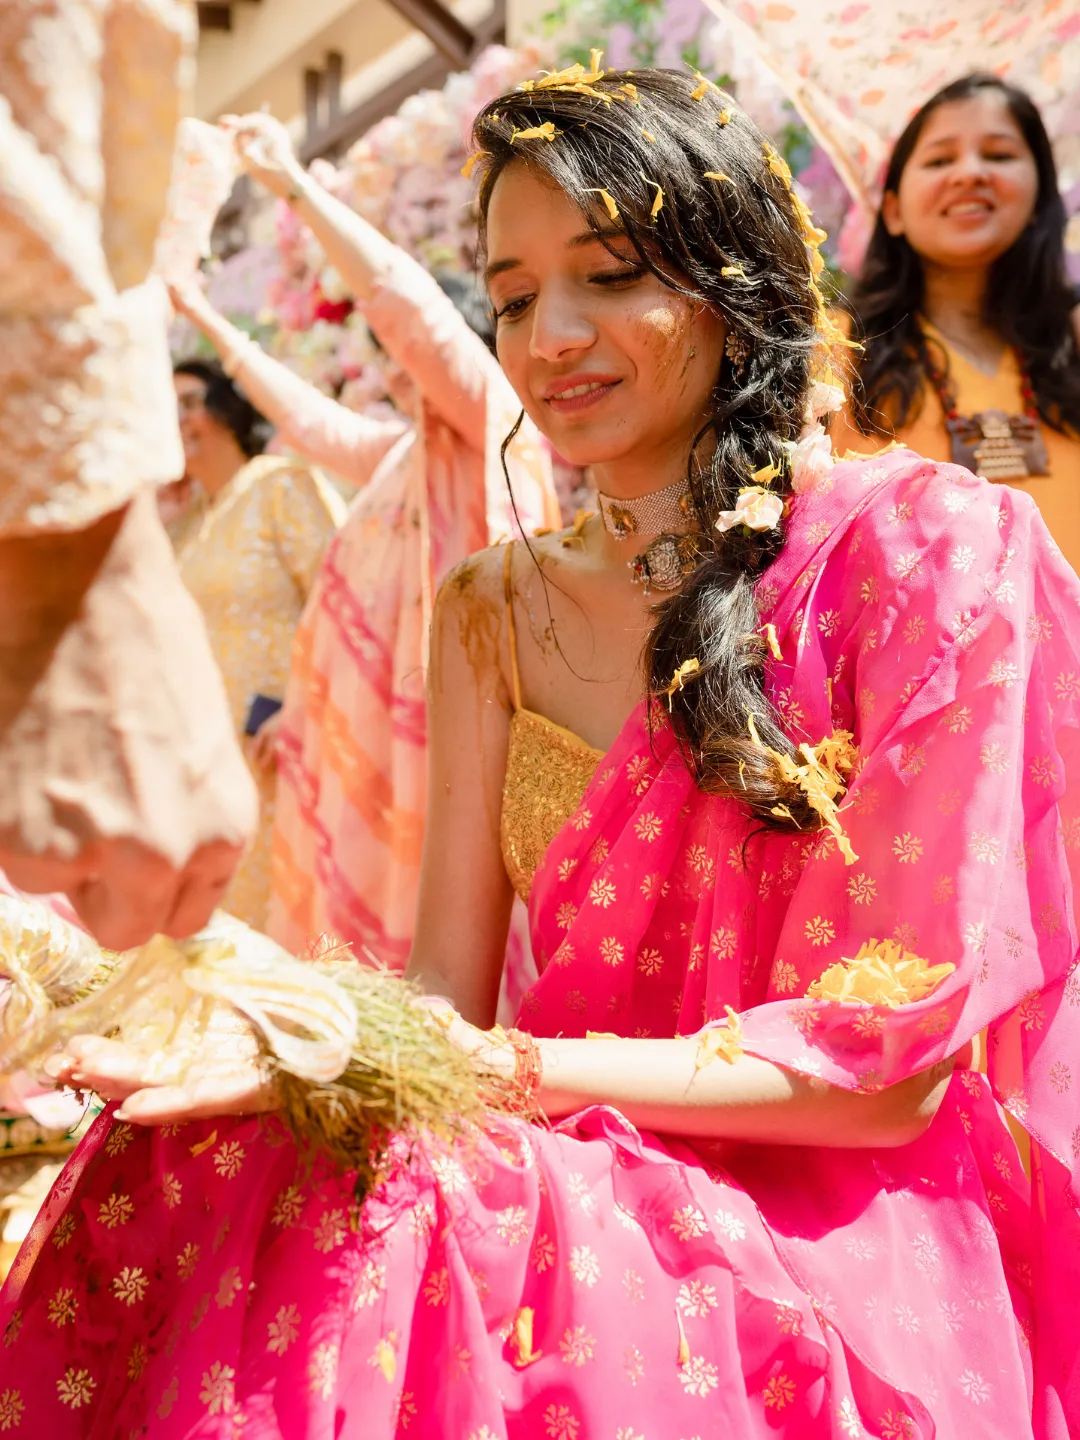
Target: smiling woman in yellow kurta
250	564
1057	493
968	320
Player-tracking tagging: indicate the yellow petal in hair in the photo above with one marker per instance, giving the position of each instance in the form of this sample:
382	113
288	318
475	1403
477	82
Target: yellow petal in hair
546	131
609	202
773	642
688	670
821	772
882	973
724	118
571	77
776	163
719	175
702	88
630	91
727	271
471	162
658	199
651	138
766	474
725	1040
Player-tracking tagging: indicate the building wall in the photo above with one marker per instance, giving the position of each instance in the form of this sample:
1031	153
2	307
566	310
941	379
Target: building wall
262	60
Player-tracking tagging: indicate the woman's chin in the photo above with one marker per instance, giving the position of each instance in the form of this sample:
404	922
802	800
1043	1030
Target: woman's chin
972	248
583	445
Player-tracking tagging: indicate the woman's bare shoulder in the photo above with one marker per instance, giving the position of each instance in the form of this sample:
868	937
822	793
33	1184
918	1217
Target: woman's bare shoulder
494	573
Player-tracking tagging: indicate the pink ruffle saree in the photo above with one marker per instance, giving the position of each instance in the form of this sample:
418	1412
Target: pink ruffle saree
594	1281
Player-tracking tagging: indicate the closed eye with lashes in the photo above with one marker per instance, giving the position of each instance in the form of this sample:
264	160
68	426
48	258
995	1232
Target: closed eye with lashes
611	278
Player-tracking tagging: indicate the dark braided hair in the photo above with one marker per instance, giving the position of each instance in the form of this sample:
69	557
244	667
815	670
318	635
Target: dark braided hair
1028	299
654	127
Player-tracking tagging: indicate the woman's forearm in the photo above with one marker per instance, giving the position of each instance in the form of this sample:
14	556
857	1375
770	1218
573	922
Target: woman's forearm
657	1085
358	252
323	430
270	386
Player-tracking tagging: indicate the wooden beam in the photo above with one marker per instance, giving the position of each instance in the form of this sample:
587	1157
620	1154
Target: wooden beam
312	90
428	75
453	40
348	127
332	77
214	16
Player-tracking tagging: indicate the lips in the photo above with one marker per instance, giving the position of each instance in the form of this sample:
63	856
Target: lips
579	392
966	208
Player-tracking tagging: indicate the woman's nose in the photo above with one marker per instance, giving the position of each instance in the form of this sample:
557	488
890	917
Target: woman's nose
559	328
971	165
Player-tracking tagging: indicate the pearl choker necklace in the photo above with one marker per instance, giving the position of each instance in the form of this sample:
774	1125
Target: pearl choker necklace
668	511
670	517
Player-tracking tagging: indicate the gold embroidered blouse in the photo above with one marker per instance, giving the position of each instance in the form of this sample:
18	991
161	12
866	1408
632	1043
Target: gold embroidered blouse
548	769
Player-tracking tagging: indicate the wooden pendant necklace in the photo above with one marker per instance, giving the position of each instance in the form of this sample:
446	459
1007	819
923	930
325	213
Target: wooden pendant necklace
991	443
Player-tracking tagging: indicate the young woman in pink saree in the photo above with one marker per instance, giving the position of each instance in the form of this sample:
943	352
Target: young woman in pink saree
779	1042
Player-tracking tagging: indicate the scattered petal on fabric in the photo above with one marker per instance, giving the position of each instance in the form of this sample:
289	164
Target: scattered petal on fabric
882	973
521	1338
725	1040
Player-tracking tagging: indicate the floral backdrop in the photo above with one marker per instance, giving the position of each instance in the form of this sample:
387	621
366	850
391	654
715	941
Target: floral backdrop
404	174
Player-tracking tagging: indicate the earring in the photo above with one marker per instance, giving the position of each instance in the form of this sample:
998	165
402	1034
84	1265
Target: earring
737	351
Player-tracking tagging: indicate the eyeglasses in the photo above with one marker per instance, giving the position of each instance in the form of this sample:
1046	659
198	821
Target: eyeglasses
190	402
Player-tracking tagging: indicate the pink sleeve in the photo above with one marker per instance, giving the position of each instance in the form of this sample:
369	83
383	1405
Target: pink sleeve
423	331
946	622
322	430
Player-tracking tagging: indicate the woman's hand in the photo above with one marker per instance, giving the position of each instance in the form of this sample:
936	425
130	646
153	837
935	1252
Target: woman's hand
265	149
226	1078
190	301
264	747
490	1051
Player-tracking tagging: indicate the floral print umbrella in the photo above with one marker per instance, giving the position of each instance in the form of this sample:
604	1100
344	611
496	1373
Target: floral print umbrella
858	71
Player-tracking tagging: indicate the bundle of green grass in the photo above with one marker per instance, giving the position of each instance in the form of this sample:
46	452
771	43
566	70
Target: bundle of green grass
352	1053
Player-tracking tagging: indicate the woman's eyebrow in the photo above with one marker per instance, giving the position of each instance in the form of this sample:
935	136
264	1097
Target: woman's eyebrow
586	237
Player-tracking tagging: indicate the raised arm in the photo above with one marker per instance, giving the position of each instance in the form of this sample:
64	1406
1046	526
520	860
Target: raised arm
411	316
465	896
323	431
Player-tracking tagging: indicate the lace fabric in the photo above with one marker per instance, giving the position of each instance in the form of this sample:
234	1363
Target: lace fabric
91	98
